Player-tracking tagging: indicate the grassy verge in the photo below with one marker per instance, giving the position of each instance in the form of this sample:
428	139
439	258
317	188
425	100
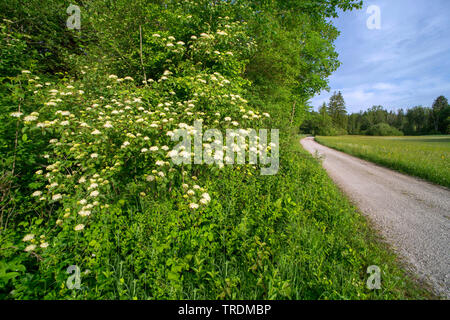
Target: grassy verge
427	157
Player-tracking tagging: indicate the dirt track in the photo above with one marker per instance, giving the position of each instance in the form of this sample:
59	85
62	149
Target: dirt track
411	214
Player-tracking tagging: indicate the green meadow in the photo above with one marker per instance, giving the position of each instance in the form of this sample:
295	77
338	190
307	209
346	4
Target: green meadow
426	157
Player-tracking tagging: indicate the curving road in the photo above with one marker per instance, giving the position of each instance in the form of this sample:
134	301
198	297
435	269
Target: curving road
411	214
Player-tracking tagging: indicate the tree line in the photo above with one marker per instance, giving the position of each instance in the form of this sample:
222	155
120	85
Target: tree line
333	119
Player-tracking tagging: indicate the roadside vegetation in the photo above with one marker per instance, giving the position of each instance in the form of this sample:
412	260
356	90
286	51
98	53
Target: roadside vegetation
86	174
427	157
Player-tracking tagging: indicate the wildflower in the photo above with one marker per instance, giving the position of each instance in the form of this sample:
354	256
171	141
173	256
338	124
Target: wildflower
84	213
31	247
30	118
227	119
128	78
206	197
36	194
59	222
155	148
112	76
16	114
150	178
190	192
94	194
159	163
26	71
172	153
28	237
95	132
193	206
44	245
161	174
57	197
79	227
92	186
156	35
144	150
108	125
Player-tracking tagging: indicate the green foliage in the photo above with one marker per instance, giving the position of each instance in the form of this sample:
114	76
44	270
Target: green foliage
321	124
415	121
440	114
383	129
337	110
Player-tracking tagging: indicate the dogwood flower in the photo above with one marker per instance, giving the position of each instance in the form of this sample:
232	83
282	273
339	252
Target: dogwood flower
28	237
31	247
193	206
79	227
94	194
57	197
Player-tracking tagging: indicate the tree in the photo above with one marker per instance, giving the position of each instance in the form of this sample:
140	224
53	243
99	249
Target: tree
438	109
354	123
337	110
418	120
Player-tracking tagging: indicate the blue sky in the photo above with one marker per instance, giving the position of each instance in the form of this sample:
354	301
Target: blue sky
403	64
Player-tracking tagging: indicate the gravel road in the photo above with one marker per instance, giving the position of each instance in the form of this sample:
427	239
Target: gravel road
412	215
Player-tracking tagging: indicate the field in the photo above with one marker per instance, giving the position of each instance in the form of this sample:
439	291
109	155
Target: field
427	157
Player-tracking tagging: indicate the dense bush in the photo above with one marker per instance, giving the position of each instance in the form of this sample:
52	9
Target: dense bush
383	129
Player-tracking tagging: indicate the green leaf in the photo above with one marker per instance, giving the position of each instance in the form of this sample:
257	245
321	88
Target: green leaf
173	276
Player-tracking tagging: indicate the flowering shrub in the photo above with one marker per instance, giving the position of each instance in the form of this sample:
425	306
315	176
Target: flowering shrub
105	145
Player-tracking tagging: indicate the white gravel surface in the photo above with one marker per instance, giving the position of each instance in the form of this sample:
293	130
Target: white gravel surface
411	214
